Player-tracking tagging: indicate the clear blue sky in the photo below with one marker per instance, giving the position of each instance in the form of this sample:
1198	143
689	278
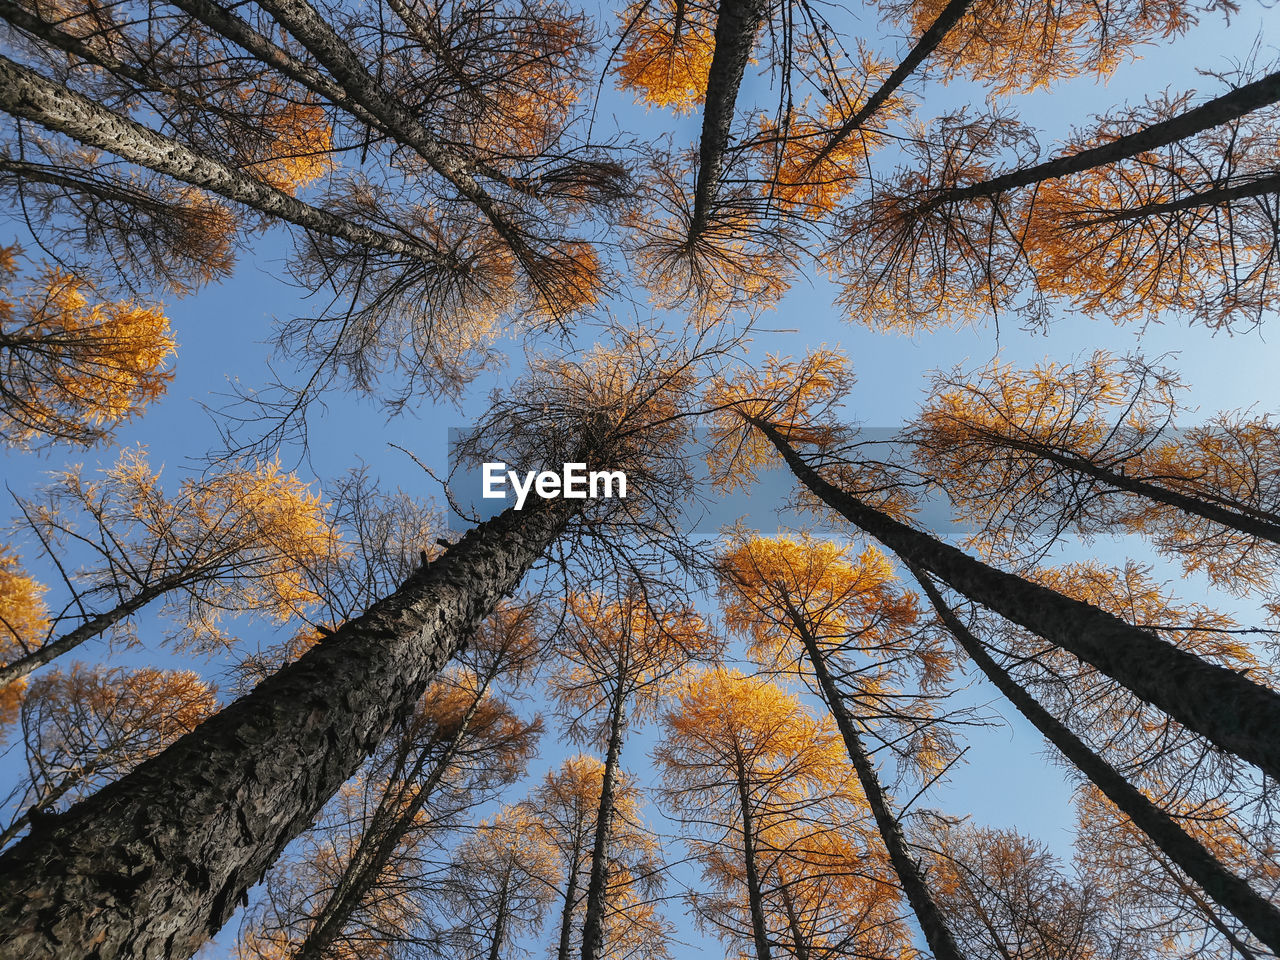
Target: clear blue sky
1006	782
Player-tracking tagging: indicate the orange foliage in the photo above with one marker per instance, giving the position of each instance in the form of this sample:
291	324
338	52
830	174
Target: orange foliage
72	370
24	624
667	70
297	141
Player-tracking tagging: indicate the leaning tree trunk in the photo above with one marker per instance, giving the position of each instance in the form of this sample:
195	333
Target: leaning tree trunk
1224	706
94	626
1256	523
755	897
152	865
932	923
1223	109
927	43
1232	892
736	26
27	95
598	885
392	818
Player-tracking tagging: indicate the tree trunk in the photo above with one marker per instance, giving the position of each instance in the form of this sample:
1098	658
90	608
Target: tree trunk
800	945
1223	109
566	915
736	26
27	95
153	865
598	886
1214	196
755	899
1255	523
1261	917
500	923
932	924
94	626
391	820
927	43
1226	707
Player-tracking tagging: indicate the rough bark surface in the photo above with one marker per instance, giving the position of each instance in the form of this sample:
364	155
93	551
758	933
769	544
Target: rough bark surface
736	26
597	887
755	898
1226	707
154	864
1220	110
932	923
29	96
1261	917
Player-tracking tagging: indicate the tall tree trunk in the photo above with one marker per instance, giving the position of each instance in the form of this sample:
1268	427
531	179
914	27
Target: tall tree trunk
392	818
1220	110
94	626
566	915
1225	707
152	865
736	26
1261	917
598	886
927	43
755	898
1256	523
934	926
500	923
800	944
27	95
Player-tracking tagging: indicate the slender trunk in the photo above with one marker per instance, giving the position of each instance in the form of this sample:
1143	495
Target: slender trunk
932	924
1224	706
755	900
98	623
799	941
1255	523
500	922
153	865
322	41
927	43
1223	109
598	886
1199	864
1215	196
391	820
1205	908
566	915
736	26
27	95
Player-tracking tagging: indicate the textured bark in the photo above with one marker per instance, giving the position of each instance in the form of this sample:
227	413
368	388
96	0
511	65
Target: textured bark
598	885
152	865
1224	706
335	55
29	96
391	820
927	43
736	26
26	664
566	915
1233	893
1220	110
934	926
755	899
1256	523
1259	186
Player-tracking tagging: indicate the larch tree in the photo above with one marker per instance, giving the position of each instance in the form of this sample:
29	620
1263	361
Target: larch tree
619	655
1227	708
290	744
246	537
74	367
24	616
843	624
769	797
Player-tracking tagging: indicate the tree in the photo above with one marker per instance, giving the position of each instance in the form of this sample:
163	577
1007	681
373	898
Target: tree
1172	836
23	616
90	725
620	655
776	816
1227	708
808	608
1094	448
73	370
248	537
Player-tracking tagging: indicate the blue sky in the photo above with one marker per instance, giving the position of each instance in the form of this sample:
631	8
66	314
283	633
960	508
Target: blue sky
1006	781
